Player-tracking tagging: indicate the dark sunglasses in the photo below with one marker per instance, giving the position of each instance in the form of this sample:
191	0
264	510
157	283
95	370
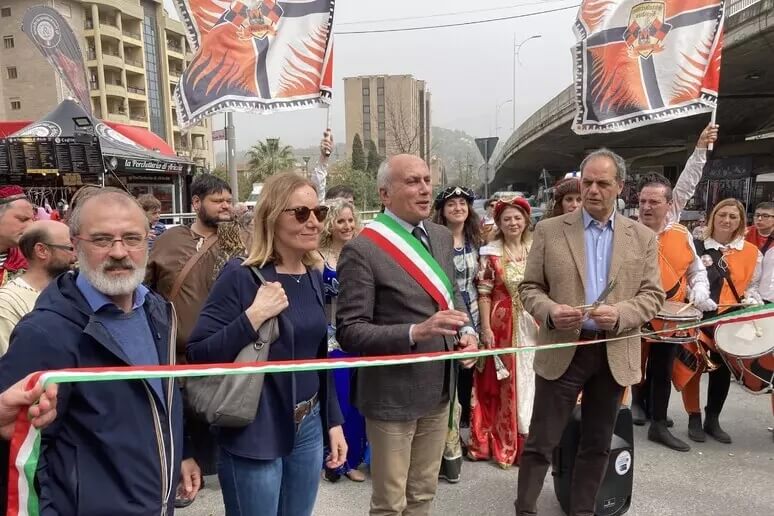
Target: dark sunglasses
302	213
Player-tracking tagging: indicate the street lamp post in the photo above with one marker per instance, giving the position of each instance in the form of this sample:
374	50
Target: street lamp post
516	49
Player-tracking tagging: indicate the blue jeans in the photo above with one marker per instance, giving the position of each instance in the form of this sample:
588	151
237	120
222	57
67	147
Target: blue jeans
286	486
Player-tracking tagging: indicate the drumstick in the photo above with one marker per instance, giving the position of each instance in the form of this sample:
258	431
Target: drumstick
683	309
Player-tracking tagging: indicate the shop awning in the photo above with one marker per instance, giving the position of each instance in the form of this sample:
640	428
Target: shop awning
144	137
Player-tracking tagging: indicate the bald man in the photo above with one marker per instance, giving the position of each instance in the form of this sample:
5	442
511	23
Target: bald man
46	246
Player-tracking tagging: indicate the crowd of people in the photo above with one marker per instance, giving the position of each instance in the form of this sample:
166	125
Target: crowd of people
112	286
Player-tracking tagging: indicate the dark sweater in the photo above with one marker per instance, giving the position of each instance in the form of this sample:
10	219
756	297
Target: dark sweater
223	329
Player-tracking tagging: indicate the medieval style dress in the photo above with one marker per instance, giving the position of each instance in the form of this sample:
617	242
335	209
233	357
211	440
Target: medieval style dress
504	390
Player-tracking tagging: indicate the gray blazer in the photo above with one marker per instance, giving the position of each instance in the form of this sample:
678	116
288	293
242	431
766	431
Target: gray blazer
378	301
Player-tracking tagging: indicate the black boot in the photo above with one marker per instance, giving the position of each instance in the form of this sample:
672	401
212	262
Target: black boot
659	433
669	422
712	427
639	414
695	431
450	470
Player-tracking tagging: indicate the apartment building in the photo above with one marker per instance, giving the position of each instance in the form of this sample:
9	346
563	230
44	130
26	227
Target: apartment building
393	111
134	55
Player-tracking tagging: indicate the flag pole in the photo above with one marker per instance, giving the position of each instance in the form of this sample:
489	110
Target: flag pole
231	153
711	145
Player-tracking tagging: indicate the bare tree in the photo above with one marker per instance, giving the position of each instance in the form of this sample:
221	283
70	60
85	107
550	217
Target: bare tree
403	131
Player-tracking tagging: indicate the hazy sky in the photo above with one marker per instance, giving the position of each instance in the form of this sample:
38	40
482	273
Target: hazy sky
469	69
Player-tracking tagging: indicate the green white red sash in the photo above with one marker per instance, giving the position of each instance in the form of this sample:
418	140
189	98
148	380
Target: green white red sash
411	255
25	444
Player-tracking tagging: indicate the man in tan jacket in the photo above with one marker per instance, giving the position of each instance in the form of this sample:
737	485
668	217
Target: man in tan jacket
591	275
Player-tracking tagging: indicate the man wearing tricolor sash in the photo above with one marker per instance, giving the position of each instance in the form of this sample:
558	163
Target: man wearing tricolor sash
395	297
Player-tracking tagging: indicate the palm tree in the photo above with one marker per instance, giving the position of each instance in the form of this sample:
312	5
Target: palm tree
267	158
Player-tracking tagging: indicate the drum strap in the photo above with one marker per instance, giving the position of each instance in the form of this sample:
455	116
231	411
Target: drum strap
672	291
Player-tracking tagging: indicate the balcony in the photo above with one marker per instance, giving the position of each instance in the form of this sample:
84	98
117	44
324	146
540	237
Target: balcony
175	49
107	29
111	59
94	86
132	37
117	116
115	89
138	119
136	93
91	57
133	66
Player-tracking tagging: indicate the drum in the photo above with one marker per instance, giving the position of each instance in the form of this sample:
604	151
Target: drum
747	348
672	315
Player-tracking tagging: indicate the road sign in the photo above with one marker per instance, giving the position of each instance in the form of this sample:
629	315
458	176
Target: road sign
218	134
486	147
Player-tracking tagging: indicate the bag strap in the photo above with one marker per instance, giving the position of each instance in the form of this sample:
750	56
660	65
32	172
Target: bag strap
192	261
258	275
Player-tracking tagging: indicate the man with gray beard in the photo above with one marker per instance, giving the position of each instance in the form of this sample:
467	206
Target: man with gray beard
116	447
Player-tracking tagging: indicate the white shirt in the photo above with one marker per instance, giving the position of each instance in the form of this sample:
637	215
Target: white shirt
753	289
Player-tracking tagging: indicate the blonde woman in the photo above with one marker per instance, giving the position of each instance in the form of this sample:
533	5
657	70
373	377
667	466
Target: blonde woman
734	271
340	226
504	389
272	465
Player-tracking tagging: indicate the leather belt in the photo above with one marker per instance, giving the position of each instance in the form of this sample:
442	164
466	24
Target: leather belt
592	335
304	408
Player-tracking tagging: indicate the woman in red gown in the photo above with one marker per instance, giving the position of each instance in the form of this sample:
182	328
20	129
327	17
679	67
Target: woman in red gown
504	386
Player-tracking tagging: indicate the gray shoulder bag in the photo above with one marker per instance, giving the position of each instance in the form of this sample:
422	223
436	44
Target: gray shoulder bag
232	400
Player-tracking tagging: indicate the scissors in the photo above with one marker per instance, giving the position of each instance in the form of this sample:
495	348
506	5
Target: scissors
601	299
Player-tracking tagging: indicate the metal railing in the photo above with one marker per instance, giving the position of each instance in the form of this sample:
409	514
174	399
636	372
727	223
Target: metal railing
139	118
132	62
135	35
134	89
737	6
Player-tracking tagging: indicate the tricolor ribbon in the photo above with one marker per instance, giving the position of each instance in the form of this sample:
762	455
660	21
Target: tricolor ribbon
25	444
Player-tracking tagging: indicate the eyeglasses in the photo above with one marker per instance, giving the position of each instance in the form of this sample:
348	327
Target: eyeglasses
302	213
764	216
132	242
63	247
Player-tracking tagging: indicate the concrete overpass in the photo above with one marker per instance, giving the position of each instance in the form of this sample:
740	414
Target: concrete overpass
745	108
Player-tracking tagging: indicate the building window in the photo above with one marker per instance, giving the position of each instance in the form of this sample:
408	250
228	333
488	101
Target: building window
11	72
381	125
8	42
366	92
367	109
380	108
366	126
15	105
5	12
380	92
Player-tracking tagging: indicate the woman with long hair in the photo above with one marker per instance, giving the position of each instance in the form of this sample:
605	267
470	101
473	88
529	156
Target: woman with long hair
454	209
341	225
272	465
504	388
734	271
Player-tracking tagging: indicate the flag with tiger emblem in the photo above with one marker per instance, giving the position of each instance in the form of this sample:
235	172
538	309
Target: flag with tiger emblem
645	62
257	56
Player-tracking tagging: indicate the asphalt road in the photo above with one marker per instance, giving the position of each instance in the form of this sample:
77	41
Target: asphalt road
711	479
